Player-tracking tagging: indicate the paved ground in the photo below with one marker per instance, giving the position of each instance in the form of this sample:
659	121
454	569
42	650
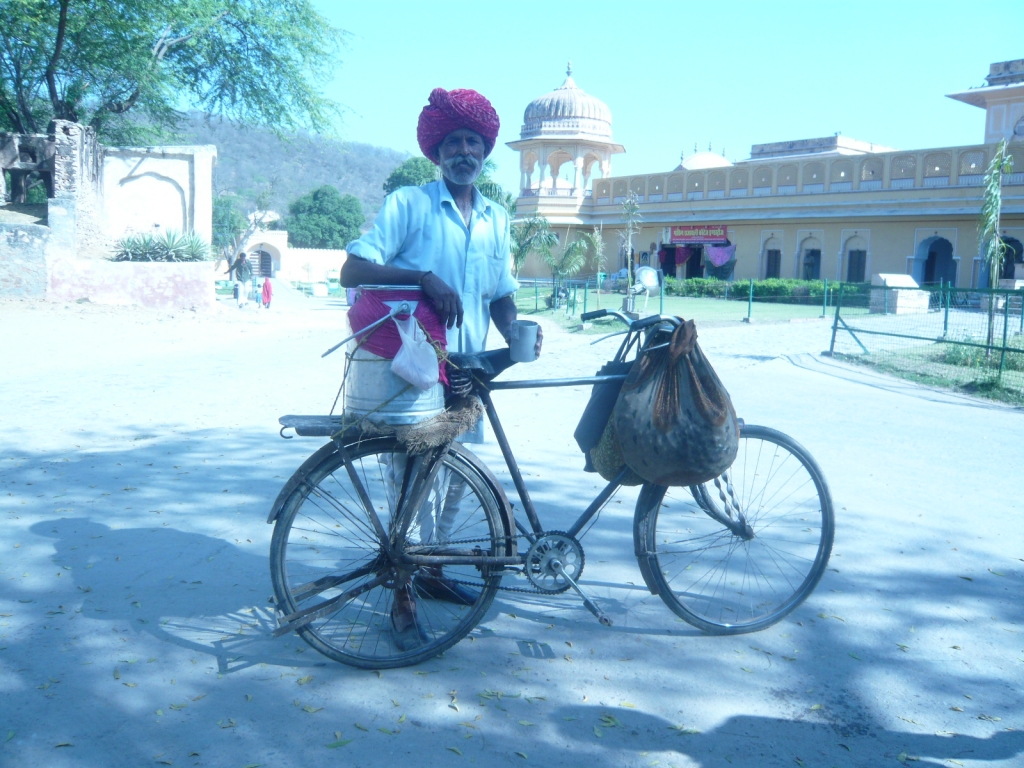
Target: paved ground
139	457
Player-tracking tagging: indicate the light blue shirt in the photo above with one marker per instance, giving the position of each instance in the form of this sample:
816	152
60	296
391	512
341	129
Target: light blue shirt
421	228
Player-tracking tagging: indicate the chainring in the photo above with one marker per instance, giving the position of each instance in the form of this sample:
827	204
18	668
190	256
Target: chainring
551	547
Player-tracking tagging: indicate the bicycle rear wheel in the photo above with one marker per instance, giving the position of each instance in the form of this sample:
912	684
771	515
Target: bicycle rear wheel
727	580
325	545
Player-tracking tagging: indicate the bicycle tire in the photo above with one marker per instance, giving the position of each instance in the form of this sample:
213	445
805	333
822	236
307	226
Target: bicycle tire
719	581
323	532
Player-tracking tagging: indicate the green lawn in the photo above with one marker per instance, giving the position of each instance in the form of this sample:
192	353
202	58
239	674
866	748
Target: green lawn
701	310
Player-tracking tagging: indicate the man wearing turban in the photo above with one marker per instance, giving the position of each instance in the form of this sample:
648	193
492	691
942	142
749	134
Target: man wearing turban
453	242
445	236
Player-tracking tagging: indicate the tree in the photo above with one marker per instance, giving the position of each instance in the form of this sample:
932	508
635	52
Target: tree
988	227
324	218
631	217
228	221
414	172
595	242
125	66
566	263
531	235
235	232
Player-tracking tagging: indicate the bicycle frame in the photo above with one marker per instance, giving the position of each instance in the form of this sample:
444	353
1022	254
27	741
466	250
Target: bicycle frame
513	466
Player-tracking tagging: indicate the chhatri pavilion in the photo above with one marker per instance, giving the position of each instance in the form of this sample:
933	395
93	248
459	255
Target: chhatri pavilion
833	207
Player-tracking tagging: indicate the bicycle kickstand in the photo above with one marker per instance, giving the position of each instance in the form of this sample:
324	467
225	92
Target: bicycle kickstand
602	617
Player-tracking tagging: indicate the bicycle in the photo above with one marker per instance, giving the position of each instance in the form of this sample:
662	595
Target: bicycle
361	518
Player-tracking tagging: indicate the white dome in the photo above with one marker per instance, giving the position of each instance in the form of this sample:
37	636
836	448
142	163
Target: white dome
567	110
701	161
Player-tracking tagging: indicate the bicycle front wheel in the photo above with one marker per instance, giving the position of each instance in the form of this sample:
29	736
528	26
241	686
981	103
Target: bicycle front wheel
731	579
326	546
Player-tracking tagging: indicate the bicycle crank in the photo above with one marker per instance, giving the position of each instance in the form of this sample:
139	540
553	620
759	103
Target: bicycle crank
550	550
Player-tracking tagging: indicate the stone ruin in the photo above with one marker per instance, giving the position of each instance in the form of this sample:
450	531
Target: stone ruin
95	195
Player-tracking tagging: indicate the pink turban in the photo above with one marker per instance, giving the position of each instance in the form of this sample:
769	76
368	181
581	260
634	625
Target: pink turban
451	110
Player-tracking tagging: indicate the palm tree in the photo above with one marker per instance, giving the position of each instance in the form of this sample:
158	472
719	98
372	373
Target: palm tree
570	260
595	243
988	227
530	235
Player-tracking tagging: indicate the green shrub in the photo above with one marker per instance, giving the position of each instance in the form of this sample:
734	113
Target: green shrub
172	246
786	291
977	357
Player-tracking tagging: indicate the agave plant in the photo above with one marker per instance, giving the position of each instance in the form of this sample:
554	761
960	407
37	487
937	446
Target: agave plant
172	246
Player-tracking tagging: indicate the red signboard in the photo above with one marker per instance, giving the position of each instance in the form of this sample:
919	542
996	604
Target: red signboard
711	234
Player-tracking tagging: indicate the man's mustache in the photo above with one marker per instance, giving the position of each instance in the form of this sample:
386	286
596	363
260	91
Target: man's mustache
463	160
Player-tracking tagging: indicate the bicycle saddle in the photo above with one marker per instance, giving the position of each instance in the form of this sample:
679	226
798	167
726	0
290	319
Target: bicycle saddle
485	365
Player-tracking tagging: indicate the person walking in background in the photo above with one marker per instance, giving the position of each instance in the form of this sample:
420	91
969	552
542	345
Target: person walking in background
243	274
268	292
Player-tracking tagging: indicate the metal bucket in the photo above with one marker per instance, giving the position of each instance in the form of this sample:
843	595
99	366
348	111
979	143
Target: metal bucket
373	392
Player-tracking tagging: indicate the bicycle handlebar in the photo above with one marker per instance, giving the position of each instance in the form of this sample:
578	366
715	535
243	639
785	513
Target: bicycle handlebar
634	325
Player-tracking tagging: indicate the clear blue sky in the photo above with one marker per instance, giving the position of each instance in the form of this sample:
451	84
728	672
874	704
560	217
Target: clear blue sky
679	73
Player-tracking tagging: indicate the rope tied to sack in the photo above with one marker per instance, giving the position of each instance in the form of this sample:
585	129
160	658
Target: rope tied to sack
709	396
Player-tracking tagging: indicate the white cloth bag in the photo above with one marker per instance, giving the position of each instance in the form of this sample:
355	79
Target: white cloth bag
416	361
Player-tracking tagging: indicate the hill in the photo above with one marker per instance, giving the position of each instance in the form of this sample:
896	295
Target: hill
249	158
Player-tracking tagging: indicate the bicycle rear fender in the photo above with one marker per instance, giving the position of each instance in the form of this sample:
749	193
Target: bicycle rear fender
293	482
644	558
507	516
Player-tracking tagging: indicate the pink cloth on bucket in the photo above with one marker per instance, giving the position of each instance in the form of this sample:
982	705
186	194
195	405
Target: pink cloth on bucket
384	339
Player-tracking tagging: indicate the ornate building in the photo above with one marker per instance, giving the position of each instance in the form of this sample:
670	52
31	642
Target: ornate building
834	207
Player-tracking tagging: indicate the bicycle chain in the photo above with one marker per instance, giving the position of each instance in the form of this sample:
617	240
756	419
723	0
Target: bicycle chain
526	590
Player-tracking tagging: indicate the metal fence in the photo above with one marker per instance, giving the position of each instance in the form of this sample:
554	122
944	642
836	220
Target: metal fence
971	339
699	298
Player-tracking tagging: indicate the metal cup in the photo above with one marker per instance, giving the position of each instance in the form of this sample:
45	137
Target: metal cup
523	341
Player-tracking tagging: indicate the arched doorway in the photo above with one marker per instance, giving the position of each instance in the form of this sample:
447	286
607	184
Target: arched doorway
810	259
939	265
1014	255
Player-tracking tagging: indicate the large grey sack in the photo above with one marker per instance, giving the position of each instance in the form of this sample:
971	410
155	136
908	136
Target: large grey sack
674	419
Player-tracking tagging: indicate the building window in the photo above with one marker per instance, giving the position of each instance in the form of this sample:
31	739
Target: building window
856	262
772	263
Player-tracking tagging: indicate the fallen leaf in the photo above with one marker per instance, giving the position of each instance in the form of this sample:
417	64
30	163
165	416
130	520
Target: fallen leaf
967	578
525	722
627	704
388	731
311	710
117	673
304	680
338	743
130	685
684	730
10	735
179	706
160	712
799	762
815	707
248	697
853	655
956	647
902	647
747	670
63	744
361	727
598	732
456	750
990	718
522	755
957	709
